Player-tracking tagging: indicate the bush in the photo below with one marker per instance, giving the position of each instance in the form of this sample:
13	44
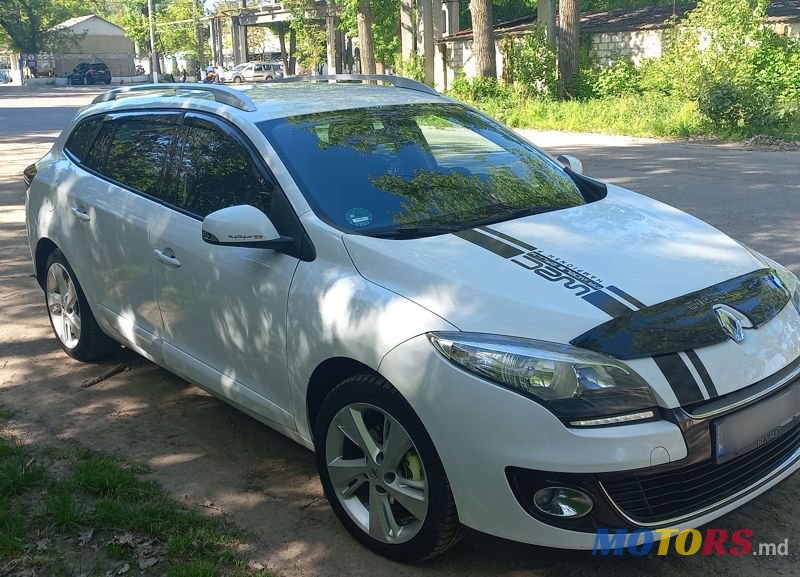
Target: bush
529	62
621	78
412	67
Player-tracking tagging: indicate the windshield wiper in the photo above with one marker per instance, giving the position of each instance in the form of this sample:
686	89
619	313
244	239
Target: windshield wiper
414	231
514	214
418	231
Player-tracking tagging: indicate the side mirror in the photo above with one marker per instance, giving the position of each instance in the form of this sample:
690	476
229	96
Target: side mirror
569	161
243	226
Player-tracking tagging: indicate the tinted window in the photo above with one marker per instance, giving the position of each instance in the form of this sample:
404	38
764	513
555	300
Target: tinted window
429	165
215	172
135	150
82	137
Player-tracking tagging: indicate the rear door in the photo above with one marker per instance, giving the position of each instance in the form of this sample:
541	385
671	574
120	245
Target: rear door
116	207
224	308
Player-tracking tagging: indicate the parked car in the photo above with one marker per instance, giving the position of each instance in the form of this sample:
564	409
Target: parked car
468	331
90	73
255	72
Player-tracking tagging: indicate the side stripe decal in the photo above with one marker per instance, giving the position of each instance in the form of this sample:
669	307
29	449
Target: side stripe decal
489	243
703	372
631	299
504	236
611	306
679	377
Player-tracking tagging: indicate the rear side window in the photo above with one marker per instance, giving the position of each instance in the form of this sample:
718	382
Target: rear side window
81	139
135	150
215	171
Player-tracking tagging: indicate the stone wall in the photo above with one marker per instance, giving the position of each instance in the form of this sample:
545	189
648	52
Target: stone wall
637	45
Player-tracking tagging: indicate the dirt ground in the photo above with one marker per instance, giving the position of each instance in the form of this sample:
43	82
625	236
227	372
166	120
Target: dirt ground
208	454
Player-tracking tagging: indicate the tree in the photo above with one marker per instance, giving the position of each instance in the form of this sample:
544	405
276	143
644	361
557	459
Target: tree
365	37
385	41
483	38
28	25
280	29
569	39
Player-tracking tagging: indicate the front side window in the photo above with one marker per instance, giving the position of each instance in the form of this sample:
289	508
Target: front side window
135	150
403	168
215	172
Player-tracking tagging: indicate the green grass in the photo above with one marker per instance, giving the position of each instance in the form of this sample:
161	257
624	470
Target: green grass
62	509
11	528
647	115
98	492
19	473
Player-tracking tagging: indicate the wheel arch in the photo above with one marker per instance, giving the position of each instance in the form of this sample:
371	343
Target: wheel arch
325	377
44	248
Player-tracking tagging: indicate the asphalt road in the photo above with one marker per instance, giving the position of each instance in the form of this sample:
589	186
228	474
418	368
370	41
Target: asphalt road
213	457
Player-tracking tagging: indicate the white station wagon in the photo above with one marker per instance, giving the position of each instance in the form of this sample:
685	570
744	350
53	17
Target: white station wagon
468	332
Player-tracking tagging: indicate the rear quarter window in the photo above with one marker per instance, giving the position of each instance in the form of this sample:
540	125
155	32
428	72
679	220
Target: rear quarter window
80	141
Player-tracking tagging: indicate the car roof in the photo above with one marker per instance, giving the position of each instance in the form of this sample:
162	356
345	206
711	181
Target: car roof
274	100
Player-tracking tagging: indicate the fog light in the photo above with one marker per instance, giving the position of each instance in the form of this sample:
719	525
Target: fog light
562	502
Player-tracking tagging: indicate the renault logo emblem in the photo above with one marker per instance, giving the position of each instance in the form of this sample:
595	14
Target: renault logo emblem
730	324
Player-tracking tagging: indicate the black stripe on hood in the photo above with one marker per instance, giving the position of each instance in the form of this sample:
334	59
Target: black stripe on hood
689	321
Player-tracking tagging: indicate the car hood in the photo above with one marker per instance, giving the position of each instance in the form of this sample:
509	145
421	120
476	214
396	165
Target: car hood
559	275
527	277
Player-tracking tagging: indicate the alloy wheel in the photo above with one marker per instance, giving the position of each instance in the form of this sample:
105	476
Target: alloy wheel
63	306
377	473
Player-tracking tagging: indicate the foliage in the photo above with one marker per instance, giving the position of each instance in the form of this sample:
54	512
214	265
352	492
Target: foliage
27	25
725	57
530	62
385	15
412	67
176	24
621	78
311	35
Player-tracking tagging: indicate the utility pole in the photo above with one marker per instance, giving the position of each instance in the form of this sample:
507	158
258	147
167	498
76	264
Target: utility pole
153	55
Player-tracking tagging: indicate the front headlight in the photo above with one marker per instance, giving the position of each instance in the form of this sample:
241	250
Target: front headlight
581	387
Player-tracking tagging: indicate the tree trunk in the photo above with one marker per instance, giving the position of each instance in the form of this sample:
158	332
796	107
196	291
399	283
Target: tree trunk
483	38
292	52
365	37
569	39
282	43
546	18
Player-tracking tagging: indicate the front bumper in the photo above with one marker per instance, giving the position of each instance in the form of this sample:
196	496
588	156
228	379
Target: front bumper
488	436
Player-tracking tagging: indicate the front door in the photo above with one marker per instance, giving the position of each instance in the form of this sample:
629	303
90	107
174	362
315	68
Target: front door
224	308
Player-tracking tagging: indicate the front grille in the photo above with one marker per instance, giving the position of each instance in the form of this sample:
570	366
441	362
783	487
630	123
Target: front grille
678	493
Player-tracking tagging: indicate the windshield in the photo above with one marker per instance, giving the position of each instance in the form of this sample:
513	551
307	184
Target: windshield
423	168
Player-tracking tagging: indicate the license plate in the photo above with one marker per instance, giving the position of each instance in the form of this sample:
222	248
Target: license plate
756	426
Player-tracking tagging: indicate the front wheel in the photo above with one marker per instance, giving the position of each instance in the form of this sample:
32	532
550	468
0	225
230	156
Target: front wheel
381	473
237	80
72	321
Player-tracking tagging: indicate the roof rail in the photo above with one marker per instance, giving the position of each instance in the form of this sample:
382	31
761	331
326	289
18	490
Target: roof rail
220	93
397	81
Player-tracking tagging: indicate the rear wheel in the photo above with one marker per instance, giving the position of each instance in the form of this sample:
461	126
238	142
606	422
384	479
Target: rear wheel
72	321
381	472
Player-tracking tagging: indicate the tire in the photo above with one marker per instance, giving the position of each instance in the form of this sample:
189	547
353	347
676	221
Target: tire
412	475
268	78
108	81
72	320
237	79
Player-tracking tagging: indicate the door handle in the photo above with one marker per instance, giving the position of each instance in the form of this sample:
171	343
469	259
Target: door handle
169	259
81	214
